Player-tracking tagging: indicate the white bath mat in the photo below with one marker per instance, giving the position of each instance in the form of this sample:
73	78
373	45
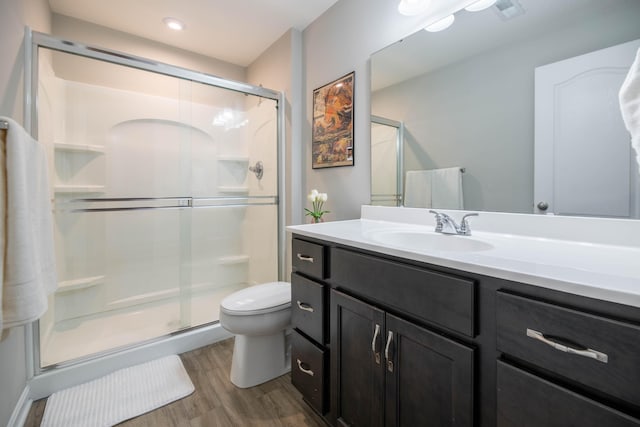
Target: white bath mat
119	396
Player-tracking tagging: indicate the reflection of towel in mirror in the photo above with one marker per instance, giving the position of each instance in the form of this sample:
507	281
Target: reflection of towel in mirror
446	189
28	270
417	189
630	104
436	188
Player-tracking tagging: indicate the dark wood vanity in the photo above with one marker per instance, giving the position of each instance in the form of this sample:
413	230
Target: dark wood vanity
385	341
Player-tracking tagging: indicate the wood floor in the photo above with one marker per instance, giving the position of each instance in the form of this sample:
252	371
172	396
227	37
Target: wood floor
217	402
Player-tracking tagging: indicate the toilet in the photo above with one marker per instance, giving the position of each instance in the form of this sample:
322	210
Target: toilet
259	316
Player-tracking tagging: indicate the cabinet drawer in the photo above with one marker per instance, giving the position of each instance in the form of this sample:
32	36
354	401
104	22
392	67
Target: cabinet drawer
307	371
566	342
308	258
527	400
439	298
307	307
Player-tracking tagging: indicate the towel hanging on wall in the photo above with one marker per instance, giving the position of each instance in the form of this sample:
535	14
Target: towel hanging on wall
446	188
435	188
629	97
28	267
417	189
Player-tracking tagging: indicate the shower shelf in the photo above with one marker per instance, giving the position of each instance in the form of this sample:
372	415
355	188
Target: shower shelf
61	146
233	259
79	188
233	189
77	284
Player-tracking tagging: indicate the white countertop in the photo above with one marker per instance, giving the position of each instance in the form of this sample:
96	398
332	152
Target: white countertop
592	266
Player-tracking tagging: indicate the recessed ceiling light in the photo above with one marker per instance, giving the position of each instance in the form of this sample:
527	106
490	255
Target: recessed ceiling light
174	24
440	25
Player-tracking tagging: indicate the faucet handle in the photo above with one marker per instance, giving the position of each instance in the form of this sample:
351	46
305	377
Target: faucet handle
464	224
439	224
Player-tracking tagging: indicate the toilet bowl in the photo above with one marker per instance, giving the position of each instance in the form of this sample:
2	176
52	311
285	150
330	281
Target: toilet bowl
259	316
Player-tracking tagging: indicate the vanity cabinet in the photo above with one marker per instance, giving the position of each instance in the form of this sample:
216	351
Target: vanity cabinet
397	342
386	371
388	367
309	304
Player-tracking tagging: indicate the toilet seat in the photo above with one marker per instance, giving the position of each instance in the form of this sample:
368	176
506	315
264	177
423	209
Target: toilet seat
259	299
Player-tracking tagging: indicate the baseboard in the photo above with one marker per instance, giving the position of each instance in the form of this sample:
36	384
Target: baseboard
21	411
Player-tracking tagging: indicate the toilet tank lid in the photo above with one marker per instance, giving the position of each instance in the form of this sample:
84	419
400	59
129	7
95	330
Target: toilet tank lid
258	297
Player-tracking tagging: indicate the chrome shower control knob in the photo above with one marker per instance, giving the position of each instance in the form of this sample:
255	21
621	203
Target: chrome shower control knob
258	169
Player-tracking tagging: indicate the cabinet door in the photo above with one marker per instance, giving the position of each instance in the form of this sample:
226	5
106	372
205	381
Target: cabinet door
429	380
357	376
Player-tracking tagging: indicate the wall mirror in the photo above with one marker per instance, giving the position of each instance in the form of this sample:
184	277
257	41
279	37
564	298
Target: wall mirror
484	95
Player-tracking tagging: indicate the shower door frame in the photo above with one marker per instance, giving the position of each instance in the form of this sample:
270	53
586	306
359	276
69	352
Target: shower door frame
399	196
35	40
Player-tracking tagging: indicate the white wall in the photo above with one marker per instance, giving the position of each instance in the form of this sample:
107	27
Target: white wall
275	69
338	42
85	32
14	16
280	68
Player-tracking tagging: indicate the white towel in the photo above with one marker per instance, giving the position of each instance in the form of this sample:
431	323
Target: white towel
629	97
28	274
446	188
417	189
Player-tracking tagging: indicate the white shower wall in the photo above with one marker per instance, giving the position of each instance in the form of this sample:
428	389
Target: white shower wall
130	275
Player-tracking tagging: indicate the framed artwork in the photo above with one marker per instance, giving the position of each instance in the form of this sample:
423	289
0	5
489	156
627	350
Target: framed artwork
332	128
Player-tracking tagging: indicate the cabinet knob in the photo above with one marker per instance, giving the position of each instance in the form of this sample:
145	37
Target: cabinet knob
386	351
306	371
373	344
582	351
306	258
543	206
304	306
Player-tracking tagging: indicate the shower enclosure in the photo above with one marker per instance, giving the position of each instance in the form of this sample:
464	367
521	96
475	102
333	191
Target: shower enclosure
165	186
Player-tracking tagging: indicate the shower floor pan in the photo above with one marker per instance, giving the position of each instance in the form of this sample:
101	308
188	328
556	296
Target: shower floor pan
78	338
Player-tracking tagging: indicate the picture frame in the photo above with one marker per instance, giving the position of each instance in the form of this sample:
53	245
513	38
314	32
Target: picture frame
332	127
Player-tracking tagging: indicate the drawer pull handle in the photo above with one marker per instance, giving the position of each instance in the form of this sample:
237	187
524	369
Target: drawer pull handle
304	306
585	352
386	351
305	258
306	371
373	344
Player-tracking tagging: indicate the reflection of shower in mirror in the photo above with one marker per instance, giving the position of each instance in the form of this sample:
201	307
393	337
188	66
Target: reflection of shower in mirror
386	161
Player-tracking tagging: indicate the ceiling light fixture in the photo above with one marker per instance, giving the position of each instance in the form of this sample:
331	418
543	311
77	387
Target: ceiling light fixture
174	24
440	25
413	7
480	5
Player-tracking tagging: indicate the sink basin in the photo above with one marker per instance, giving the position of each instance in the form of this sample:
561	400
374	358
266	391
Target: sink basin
429	241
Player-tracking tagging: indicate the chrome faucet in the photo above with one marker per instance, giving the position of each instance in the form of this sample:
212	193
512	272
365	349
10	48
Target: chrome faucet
447	225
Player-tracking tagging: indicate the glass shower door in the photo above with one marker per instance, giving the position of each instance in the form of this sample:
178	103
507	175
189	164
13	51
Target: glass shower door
157	215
